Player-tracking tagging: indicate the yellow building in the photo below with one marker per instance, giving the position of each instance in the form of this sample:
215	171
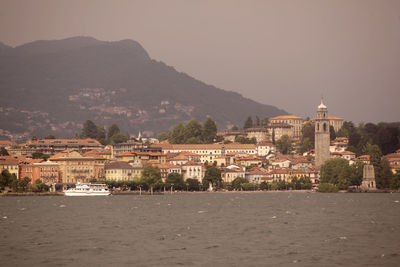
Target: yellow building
292	120
119	171
76	168
11	164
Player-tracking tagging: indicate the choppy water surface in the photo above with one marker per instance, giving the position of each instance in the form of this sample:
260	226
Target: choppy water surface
223	229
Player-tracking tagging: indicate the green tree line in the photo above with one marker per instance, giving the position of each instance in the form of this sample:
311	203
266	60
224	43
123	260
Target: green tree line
191	133
113	134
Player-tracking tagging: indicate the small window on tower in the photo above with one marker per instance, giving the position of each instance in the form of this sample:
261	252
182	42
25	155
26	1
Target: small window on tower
324	127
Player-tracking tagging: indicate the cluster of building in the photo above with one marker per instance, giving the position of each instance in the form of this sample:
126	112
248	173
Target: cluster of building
83	160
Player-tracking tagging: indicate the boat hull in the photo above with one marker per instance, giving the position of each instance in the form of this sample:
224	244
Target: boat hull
86	194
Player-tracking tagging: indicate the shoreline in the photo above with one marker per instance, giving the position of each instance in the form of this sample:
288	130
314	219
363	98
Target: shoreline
145	193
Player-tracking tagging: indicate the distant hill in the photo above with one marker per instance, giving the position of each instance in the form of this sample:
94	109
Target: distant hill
52	87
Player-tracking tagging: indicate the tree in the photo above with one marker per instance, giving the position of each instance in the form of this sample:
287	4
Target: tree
308	131
89	130
395	182
177	135
50	136
212	175
385	176
176	180
337	172
332	134
3	152
273	136
238	183
209	131
119	138
162	136
234	128
6	178
356	176
306	145
284	144
244	140
193	140
112	130
151	176
101	135
39	155
192	129
265	121
248	123
327	188
193	184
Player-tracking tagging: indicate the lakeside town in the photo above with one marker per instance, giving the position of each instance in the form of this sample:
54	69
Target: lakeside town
279	153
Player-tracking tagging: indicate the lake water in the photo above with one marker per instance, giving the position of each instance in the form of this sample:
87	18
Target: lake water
213	229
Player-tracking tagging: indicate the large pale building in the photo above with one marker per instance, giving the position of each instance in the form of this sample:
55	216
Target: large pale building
209	152
322	136
294	121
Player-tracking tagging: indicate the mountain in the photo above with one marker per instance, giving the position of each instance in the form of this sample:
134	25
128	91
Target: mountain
52	87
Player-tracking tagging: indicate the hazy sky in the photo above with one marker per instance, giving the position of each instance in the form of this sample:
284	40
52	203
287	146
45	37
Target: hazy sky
284	53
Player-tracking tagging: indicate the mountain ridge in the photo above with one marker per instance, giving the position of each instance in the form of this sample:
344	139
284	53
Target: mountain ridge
107	82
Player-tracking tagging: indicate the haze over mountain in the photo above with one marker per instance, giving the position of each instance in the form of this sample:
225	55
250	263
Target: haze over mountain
52	87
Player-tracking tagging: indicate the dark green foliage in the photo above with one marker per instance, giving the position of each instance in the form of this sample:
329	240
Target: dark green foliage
176	180
308	132
284	145
327	188
209	131
395	182
193	184
385	135
265	186
385	176
101	135
6	179
177	135
244	140
237	184
332	134
265	121
119	138
337	172
3	152
356	173
39	155
192	129
89	130
193	132
151	176
213	176
301	183
248	123
162	136
305	145
112	130
40	186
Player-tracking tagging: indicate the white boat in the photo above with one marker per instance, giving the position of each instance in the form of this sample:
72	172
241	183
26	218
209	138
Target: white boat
84	189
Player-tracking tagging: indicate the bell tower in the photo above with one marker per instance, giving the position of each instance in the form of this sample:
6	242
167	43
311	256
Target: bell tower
322	135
